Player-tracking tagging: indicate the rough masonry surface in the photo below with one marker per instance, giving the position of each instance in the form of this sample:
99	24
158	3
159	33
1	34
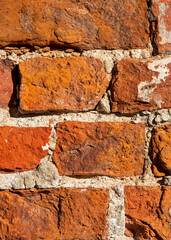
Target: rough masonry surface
85	120
146	85
53	214
161	10
6	82
22	148
79	24
147	212
74	84
161	150
104	148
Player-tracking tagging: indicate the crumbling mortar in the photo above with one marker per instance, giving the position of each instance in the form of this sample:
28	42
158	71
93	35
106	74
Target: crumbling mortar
105	55
151	118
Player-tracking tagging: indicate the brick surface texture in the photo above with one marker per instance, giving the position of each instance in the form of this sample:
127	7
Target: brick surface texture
161	10
6	83
161	150
79	24
53	214
146	85
113	149
147	212
85	120
76	84
22	148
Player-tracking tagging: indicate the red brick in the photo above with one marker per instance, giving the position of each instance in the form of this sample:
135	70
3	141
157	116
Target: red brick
22	148
75	84
147	212
6	83
80	24
141	85
101	148
51	214
161	150
161	10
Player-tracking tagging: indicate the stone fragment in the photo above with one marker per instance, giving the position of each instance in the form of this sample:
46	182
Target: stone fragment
100	148
6	82
161	27
161	150
71	83
75	23
140	85
167	180
104	104
147	212
22	148
53	214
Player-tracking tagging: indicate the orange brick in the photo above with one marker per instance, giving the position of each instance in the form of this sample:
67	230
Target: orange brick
161	150
147	212
101	148
22	148
141	85
6	82
75	84
80	24
54	214
161	10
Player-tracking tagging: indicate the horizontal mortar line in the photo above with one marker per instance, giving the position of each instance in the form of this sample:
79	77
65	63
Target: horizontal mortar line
92	182
43	124
104	55
58	51
43	120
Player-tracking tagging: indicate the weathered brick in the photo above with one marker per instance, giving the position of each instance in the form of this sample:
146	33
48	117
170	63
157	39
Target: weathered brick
6	83
22	148
101	148
53	214
80	24
161	10
75	84
161	150
141	85
147	212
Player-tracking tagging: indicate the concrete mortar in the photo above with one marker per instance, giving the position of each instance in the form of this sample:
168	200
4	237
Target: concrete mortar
46	174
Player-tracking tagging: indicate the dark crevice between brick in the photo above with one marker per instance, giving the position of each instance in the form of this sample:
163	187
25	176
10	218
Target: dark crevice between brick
14	101
153	28
112	84
159	211
59	213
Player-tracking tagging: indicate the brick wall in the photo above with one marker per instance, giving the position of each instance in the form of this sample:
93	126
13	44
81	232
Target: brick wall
85	124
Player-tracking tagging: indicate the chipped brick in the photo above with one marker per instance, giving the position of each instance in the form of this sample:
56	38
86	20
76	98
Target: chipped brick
141	85
22	148
161	10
